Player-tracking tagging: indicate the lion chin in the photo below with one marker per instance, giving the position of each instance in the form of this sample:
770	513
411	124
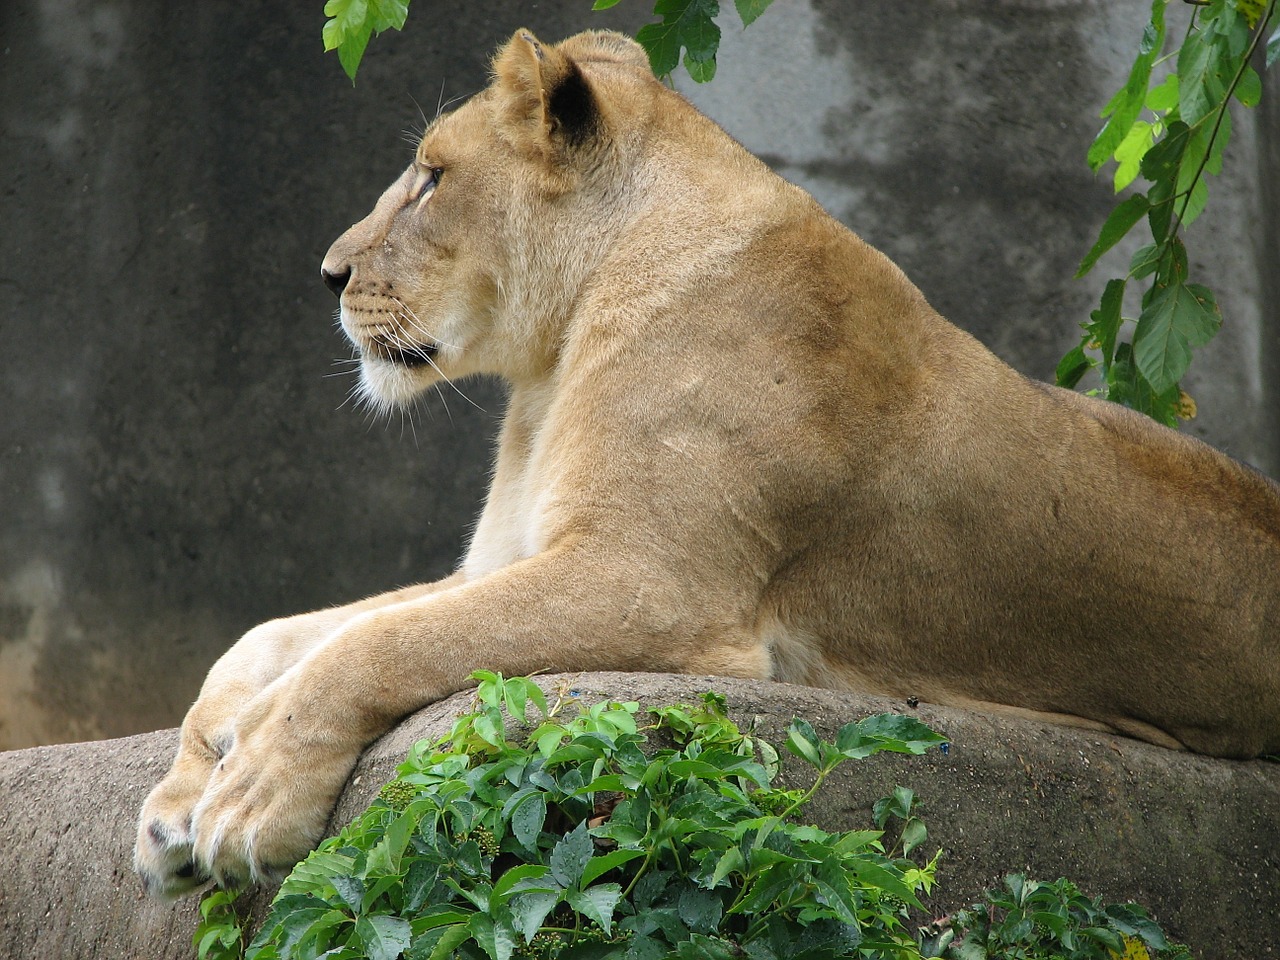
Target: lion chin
387	385
738	441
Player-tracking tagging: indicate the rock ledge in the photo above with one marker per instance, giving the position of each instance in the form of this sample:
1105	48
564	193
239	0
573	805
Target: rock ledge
1196	840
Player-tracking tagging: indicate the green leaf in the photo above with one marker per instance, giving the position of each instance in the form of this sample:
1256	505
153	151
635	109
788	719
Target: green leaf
598	866
1192	205
687	24
1104	325
701	910
731	861
1235	30
1202	61
570	855
702	71
1072	367
517	875
837	896
440	915
548	738
313	873
803	742
699	33
903	802
419	883
469	859
291	918
529	910
1164	95
390	14
597	903
490	729
450	940
662	42
1131	151
1190	181
351	50
1162	160
1119	222
1249	89
527	819
496	937
883	878
384	859
353	22
1178	317
604	4
348	16
913	834
1144	261
1218	146
1161	165
894	732
699	947
351	890
1124	107
384	937
749	10
525	690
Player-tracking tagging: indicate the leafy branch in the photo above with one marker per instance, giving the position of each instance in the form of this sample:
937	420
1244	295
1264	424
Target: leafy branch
1174	151
581	838
686	25
352	22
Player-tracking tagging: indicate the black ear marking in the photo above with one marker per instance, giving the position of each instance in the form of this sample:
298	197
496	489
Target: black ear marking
572	107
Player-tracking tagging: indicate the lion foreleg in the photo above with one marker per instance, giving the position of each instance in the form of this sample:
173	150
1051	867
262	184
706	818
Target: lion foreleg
268	802
163	851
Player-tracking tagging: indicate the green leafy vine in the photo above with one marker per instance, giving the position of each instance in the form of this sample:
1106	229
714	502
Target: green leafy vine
586	835
1178	144
685	25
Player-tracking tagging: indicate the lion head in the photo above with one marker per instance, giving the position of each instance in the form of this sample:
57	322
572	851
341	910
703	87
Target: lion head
470	262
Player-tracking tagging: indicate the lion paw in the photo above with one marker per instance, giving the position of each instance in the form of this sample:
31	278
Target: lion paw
255	822
163	855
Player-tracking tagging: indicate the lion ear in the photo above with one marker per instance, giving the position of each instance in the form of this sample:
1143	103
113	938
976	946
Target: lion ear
544	95
606	46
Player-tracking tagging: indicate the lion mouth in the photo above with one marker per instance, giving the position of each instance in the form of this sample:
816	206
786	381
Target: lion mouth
416	356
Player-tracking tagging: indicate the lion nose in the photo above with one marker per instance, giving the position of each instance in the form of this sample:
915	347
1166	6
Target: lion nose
335	281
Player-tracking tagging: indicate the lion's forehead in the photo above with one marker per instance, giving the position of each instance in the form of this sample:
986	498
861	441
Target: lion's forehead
471	122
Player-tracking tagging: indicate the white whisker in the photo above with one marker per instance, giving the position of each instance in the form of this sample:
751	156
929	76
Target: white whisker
439	100
413	320
422	113
456	390
444	403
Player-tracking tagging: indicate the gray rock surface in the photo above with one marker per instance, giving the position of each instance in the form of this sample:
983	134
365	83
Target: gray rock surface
1193	839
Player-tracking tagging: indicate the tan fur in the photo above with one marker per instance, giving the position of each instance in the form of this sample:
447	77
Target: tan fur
740	442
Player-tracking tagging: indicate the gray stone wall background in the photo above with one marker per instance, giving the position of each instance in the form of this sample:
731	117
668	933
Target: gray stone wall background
177	457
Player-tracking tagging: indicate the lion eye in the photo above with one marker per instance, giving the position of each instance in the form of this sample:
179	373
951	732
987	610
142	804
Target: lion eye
425	184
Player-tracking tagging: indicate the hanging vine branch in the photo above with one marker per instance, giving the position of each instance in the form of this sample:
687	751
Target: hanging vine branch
1174	151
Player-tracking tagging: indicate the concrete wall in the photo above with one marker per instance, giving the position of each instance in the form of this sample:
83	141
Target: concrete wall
177	460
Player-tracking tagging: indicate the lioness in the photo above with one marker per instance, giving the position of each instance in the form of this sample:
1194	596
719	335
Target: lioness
739	442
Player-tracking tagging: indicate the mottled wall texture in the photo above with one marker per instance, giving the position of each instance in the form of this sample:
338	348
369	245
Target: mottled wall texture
178	459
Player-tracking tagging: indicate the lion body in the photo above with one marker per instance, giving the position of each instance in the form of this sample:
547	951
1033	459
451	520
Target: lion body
738	442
